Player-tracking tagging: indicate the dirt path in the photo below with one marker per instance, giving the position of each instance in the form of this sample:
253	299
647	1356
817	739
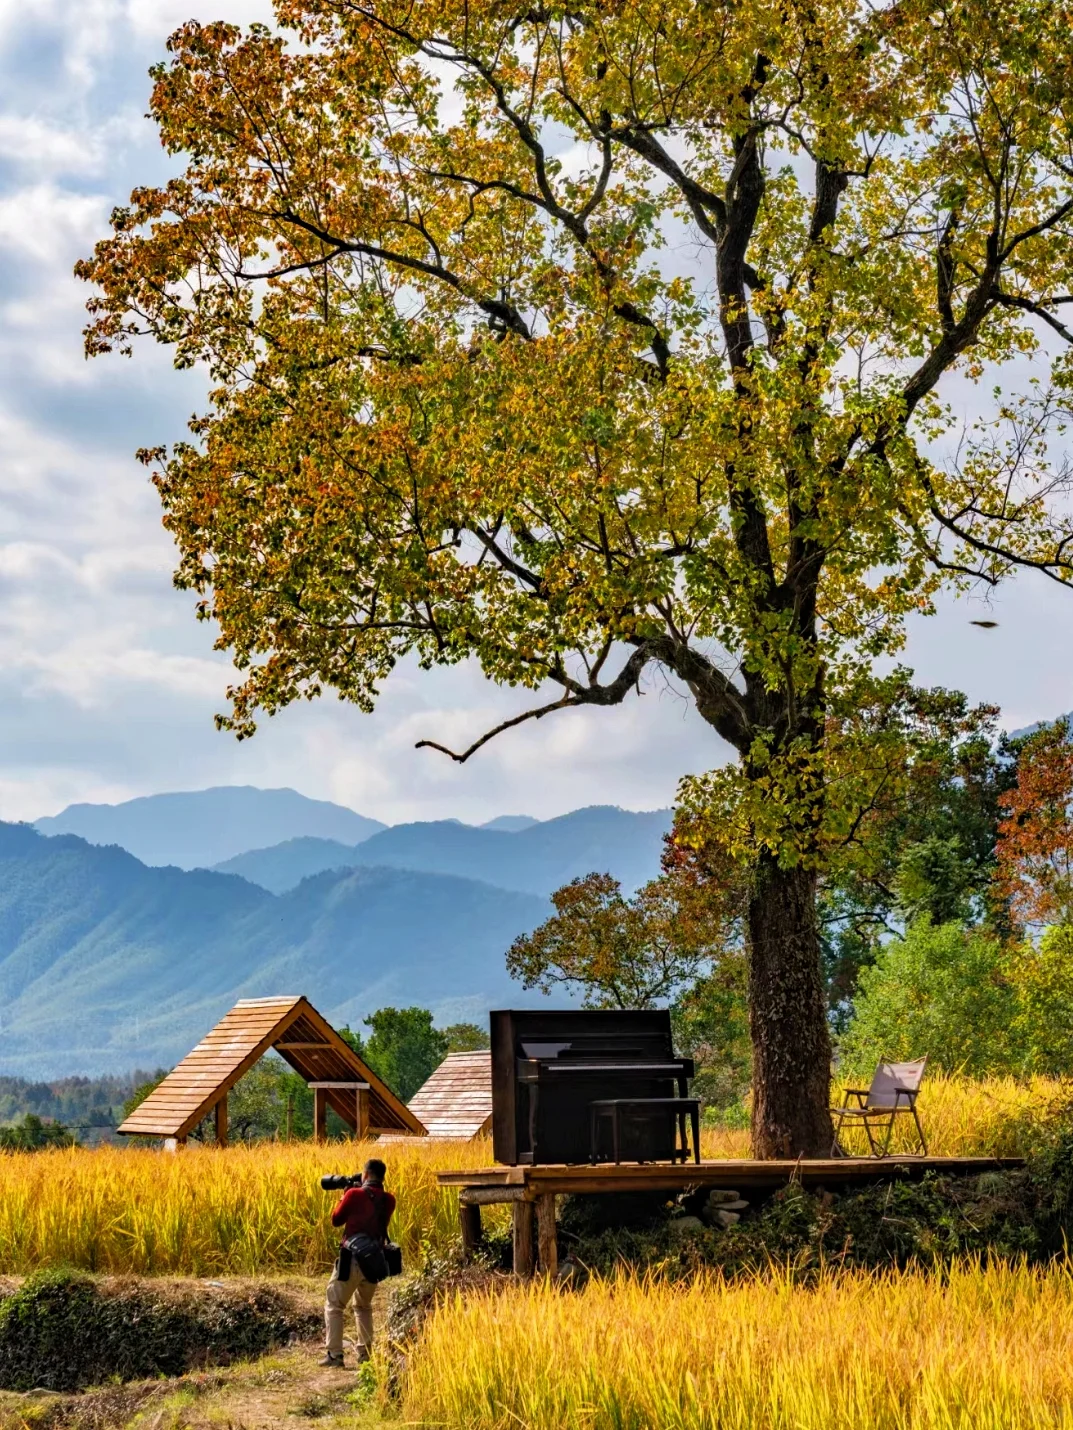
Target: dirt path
287	1390
283	1391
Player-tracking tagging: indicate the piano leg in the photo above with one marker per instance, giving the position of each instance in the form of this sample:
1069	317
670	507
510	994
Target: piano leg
534	1101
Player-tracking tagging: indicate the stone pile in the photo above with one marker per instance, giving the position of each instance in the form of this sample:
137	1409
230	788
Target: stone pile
722	1209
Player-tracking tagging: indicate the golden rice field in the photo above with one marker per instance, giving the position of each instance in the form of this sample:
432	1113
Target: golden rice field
981	1348
242	1210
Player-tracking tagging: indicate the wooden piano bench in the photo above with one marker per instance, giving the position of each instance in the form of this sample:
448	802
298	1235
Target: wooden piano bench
616	1107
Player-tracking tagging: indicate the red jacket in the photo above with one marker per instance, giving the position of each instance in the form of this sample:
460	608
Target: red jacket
366	1209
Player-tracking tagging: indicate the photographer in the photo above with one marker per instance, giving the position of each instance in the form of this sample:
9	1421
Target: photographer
364	1213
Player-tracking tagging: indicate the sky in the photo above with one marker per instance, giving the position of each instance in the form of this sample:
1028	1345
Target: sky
107	683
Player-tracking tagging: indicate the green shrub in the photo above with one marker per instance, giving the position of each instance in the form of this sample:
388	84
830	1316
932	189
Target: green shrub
65	1331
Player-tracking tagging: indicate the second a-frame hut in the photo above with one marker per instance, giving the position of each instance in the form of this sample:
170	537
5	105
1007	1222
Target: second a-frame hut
340	1079
457	1099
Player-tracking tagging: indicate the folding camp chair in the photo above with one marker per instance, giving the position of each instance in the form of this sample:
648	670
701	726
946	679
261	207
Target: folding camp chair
893	1091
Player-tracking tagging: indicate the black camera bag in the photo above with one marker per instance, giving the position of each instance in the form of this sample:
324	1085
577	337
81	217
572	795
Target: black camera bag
369	1254
393	1257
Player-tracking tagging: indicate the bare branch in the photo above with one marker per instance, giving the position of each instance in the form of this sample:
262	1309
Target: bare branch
537	714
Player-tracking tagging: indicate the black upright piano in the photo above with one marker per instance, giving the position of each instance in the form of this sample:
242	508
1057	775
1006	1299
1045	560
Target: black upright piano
550	1068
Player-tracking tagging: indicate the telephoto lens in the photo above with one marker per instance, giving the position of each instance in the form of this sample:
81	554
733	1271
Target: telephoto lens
336	1183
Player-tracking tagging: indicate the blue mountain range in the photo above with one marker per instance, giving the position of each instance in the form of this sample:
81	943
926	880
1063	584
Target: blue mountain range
110	961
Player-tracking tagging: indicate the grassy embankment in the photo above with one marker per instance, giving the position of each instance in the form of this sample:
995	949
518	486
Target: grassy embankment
976	1348
249	1211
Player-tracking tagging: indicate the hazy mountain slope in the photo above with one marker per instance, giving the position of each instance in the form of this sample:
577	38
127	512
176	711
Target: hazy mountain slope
359	939
1031	729
200	828
107	963
282	866
533	860
510	823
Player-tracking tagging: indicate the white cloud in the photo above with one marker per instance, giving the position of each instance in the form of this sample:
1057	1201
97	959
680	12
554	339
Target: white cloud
43	221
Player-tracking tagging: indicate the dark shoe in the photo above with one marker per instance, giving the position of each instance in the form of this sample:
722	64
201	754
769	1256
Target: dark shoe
335	1361
362	1354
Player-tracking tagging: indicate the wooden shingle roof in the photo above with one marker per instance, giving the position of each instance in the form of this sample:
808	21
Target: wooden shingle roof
300	1035
457	1099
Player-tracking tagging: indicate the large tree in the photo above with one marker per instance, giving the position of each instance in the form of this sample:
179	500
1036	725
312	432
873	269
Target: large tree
591	340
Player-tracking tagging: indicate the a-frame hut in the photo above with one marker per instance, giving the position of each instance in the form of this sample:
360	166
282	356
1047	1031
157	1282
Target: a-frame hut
293	1027
457	1099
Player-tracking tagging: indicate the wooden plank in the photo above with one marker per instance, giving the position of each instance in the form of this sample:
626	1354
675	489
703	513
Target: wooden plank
221	1122
490	1196
547	1246
483	1177
726	1173
349	1086
523	1238
320	1114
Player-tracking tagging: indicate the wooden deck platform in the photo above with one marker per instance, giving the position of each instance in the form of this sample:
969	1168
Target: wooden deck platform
534	1189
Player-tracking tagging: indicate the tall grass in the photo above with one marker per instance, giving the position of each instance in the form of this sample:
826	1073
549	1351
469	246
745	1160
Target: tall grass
209	1211
993	1117
980	1348
240	1210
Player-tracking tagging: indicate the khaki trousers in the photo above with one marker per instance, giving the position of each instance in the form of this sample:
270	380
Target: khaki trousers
336	1300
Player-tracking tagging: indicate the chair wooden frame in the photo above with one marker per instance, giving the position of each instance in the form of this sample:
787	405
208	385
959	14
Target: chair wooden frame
893	1092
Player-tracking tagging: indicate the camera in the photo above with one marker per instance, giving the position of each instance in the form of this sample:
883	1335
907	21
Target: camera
336	1183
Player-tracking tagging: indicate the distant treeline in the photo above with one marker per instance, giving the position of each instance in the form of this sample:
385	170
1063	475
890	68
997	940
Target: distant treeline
84	1104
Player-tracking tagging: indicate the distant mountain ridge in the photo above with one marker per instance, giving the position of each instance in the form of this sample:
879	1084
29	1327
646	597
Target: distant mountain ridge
196	829
117	949
1031	729
107	963
536	859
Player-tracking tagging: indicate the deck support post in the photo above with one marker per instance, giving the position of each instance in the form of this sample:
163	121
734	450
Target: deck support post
320	1115
221	1122
469	1219
547	1246
523	1238
361	1114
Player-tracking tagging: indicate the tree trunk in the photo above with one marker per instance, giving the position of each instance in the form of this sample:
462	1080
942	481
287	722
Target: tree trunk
788	1017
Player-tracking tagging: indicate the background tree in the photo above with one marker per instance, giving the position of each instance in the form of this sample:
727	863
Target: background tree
463	406
940	992
618	952
1035	849
404	1048
970	1002
33	1133
466	1038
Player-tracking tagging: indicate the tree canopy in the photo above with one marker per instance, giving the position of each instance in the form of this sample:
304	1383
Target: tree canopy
404	1048
589	340
619	952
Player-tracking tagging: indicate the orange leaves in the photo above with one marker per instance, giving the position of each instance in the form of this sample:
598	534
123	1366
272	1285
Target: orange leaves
1035	851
